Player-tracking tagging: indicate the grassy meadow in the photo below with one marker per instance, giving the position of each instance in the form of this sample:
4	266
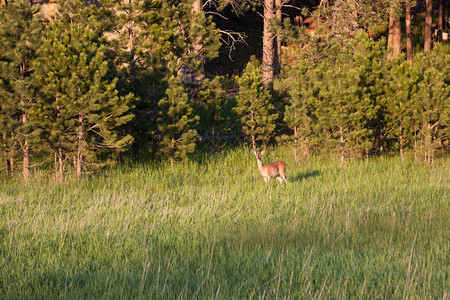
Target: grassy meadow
211	229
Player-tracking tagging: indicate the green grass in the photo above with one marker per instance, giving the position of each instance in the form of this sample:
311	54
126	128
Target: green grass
211	229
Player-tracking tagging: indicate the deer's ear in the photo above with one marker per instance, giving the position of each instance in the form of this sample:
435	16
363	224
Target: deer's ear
262	152
254	152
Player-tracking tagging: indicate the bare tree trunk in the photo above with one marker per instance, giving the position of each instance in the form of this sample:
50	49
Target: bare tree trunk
381	136
11	157
252	118
395	30
7	163
268	43
60	162
428	23
8	167
26	153
295	142
381	147
25	147
409	47
26	160
172	154
397	37
213	141
429	143
131	49
400	141
415	145
80	141
391	27
277	41
441	15
342	145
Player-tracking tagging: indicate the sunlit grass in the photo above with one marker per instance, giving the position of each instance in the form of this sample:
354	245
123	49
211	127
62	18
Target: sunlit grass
376	229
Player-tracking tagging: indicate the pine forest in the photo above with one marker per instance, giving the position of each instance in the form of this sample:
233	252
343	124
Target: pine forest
144	117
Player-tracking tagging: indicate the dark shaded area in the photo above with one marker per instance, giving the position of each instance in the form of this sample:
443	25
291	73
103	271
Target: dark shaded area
305	175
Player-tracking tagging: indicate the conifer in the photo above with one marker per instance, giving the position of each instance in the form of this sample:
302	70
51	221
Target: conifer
19	34
431	107
81	105
210	107
176	124
345	106
401	85
299	113
253	106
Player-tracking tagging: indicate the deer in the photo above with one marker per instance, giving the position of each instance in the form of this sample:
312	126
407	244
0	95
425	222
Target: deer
275	169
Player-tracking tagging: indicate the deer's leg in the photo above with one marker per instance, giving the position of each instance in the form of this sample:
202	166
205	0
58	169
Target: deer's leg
283	175
279	179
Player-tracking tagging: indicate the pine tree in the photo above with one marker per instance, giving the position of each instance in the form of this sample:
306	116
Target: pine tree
140	65
80	104
401	86
299	114
19	34
154	41
210	106
254	107
345	106
432	102
175	123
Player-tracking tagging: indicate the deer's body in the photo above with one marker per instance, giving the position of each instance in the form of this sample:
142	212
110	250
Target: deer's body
275	169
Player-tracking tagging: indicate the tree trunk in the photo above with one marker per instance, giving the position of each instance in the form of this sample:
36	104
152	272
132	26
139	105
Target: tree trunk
213	140
268	43
428	22
295	142
8	167
391	27
172	153
131	49
277	41
80	141
409	47
397	37
7	163
252	118
395	30
441	15
11	159
26	153
60	162
415	145
25	147
381	136
342	145
400	141
26	160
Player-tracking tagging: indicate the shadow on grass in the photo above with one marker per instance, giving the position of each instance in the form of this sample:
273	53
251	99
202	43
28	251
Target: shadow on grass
300	176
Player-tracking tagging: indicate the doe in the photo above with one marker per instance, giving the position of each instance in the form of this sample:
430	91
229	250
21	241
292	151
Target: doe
276	169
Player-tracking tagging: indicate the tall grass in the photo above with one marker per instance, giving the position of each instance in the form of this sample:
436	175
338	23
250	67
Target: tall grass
211	229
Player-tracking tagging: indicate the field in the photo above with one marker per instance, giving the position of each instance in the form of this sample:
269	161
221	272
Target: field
211	229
